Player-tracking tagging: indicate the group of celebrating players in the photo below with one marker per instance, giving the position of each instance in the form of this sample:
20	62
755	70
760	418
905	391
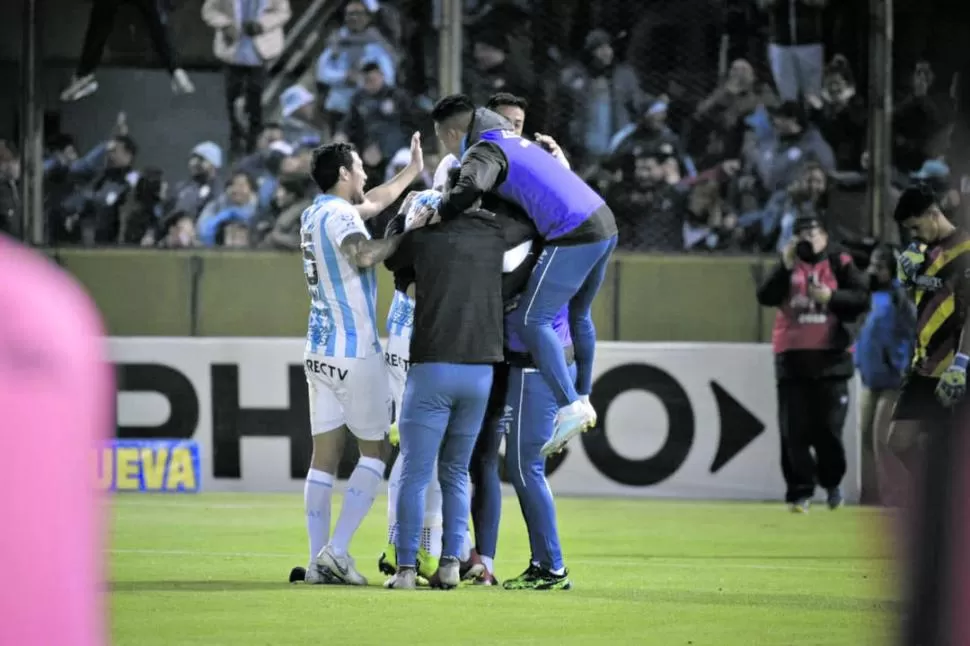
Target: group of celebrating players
504	257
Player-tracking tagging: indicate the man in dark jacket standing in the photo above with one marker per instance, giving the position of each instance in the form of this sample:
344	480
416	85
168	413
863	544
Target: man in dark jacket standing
818	291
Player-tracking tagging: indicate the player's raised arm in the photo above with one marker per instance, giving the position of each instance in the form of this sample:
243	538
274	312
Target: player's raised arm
379	198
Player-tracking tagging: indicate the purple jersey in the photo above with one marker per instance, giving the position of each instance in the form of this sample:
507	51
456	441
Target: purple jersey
560	324
554	197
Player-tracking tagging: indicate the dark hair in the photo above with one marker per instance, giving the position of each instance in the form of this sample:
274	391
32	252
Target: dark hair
506	98
149	186
241	173
914	202
128	143
451	106
61	141
888	256
370	66
327	161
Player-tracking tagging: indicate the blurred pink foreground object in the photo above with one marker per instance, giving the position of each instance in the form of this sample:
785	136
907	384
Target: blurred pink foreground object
56	403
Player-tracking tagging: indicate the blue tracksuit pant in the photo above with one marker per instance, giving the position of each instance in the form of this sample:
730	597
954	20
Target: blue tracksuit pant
441	416
486	502
531	411
564	275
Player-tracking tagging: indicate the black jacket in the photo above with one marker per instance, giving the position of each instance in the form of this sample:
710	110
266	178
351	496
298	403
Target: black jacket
849	301
460	290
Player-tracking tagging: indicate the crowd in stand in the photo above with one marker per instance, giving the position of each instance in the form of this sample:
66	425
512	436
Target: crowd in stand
729	171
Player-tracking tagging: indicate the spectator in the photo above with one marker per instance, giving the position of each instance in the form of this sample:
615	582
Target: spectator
11	213
494	70
143	209
257	163
775	162
177	232
278	225
771	228
841	115
380	120
920	122
595	98
882	356
193	194
99	217
300	117
935	173
249	35
237	205
649	133
650	206
706	225
67	178
718	127
338	68
100	22
795	51
233	232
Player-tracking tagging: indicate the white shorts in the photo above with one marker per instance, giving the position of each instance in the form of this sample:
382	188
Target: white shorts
397	358
354	392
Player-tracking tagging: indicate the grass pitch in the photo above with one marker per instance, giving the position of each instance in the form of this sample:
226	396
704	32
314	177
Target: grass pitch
212	569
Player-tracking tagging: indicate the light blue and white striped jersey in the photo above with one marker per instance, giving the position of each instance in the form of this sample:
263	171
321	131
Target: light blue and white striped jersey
400	318
343	297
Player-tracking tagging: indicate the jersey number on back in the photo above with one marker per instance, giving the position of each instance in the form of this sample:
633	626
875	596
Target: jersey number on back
309	262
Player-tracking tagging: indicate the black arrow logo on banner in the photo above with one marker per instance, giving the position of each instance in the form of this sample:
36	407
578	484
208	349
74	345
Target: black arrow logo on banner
739	427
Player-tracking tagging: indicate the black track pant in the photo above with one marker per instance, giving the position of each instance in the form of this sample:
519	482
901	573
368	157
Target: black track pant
102	21
811	413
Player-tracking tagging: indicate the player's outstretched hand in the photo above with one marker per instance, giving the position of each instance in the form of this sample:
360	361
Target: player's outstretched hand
953	382
417	155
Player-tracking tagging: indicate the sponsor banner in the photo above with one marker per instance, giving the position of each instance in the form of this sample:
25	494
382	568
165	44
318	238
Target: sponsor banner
678	420
149	466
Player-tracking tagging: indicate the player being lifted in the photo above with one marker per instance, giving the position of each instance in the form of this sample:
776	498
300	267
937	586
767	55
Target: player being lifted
347	378
936	270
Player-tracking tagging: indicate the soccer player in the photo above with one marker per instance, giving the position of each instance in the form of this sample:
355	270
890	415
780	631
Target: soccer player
57	401
936	269
530	417
929	422
578	232
457	337
348	382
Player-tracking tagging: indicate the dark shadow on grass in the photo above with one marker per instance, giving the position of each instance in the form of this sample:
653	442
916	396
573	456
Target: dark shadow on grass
733	557
807	602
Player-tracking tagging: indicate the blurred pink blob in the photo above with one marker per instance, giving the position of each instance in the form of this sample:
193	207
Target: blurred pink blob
56	406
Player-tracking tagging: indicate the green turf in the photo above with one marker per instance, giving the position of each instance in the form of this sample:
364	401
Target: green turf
212	570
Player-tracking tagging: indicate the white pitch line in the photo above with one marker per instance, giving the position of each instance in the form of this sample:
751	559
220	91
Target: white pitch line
649	562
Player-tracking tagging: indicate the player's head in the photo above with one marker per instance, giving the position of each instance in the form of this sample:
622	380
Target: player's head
918	212
452	118
511	107
336	168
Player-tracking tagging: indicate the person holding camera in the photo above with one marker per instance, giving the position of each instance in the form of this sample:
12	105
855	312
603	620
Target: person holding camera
818	292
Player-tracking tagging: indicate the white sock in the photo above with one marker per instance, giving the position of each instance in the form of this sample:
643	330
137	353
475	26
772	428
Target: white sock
317	492
559	572
435	549
488	563
466	547
358	499
432	516
393	489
